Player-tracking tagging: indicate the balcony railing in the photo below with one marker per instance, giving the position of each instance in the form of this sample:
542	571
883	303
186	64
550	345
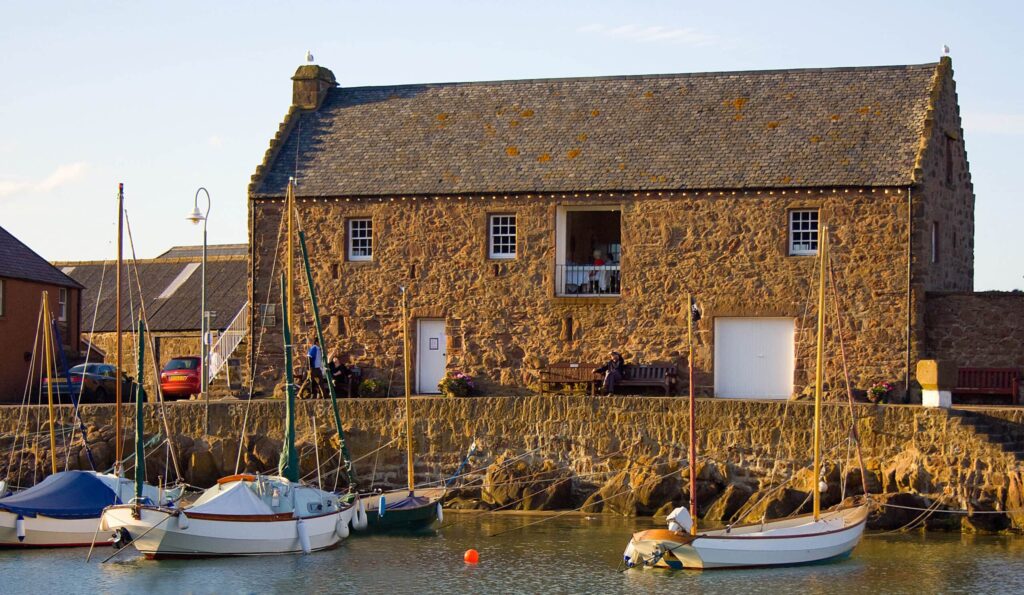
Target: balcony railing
587	280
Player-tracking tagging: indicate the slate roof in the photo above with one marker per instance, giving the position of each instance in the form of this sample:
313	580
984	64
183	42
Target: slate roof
18	261
215	250
225	292
784	128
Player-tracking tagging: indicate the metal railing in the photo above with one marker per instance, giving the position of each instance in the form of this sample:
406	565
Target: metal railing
228	341
587	279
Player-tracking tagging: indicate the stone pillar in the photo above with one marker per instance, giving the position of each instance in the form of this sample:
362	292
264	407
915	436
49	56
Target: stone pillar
937	378
310	85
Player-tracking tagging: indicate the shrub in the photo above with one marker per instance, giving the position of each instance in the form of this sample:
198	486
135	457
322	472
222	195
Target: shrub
371	387
456	384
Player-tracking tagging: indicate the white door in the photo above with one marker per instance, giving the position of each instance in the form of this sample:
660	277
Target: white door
754	357
431	358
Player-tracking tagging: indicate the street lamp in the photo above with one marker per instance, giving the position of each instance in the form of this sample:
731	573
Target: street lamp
195	217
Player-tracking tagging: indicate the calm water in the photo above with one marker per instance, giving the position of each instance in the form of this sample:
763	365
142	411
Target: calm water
564	555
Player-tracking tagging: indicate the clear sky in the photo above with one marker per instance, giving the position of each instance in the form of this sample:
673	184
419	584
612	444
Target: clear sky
170	96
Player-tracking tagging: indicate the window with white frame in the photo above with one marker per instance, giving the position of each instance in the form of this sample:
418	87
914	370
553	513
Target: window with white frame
803	232
360	239
502	236
62	304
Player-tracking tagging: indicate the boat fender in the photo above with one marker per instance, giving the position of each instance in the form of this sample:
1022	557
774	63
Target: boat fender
341	528
440	513
3	488
19	528
359	520
104	525
382	505
679	520
300	527
275	498
182	521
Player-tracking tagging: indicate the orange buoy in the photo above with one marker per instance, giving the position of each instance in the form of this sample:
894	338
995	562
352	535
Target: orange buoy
471	556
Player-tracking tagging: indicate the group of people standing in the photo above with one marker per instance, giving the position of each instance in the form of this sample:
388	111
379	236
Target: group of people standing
338	373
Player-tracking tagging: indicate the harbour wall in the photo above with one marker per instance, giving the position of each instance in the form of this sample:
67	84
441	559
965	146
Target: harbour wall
622	455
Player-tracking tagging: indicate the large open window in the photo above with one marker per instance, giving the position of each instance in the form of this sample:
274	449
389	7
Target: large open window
589	251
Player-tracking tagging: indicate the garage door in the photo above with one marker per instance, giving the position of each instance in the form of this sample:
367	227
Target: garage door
754	357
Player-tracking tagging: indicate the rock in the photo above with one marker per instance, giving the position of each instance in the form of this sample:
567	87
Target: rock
267	452
225	454
889	518
202	470
776	505
527	484
984	521
907	473
728	503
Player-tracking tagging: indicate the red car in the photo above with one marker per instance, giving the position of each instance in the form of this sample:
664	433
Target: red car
182	377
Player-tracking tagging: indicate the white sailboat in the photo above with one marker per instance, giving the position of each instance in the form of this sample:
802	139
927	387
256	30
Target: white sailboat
244	515
806	539
64	509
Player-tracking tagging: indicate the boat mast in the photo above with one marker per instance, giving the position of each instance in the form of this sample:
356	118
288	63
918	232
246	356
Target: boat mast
140	446
408	395
48	356
817	373
289	463
693	417
117	330
290	259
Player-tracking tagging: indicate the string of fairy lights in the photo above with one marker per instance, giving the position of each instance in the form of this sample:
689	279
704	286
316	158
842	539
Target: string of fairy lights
819	192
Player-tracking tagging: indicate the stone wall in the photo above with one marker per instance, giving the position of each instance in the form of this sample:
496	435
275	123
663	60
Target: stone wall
169	344
983	329
504	319
625	455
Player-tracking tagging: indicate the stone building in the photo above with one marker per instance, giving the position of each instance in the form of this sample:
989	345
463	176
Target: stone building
24	276
537	221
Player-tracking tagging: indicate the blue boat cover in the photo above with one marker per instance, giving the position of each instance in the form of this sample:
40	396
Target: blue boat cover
65	495
407	502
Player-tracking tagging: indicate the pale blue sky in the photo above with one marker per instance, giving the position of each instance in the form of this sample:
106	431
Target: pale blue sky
170	96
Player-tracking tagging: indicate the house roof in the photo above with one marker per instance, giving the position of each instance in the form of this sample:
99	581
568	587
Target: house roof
18	261
215	250
762	129
170	286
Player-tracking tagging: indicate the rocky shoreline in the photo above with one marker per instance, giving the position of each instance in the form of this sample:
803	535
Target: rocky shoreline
623	455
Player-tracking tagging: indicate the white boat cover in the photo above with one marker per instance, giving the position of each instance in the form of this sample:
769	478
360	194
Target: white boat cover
236	498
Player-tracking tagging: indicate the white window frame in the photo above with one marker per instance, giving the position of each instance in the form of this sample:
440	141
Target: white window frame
798	222
501	236
360	230
561	241
62	304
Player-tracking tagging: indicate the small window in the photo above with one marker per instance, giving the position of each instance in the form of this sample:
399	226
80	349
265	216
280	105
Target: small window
360	239
268	315
62	304
935	241
803	232
503	236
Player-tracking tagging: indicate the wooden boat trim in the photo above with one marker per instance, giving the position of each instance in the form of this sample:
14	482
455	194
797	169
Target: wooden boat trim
237	477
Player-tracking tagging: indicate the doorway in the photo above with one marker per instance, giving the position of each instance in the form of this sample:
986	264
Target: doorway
431	355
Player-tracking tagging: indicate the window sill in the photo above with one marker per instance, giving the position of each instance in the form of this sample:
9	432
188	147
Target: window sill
583	299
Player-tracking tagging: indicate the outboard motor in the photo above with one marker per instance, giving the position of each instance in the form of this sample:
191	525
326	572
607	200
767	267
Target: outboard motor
121	538
679	520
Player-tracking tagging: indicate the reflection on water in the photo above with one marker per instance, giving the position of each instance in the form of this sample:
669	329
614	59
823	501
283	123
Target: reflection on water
570	554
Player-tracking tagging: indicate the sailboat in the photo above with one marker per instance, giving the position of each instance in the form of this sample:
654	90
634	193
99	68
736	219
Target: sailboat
244	514
64	509
404	509
805	539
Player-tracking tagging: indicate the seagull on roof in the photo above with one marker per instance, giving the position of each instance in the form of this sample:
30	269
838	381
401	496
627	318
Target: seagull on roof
945	50
309	56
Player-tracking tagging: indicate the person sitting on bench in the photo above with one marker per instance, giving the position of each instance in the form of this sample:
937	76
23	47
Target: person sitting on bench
340	375
612	371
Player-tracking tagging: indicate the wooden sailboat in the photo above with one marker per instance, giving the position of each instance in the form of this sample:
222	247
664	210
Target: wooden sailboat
407	509
805	539
64	509
245	515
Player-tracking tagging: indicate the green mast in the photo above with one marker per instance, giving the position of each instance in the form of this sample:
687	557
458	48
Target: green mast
140	396
288	467
346	457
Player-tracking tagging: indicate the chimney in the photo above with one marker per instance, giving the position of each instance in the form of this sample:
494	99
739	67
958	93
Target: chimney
310	85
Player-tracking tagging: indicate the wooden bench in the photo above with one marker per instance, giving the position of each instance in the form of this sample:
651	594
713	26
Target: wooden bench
988	382
564	373
660	375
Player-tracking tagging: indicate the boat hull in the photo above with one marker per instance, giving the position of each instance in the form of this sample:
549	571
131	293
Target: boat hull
401	520
161	533
787	542
44	531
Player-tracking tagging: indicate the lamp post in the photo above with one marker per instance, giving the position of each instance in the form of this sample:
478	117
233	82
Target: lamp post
195	217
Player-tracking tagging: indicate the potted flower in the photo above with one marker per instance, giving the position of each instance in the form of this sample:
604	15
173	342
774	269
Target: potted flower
456	384
879	392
